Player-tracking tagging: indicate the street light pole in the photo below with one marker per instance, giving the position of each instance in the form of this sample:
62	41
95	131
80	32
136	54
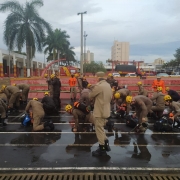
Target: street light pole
81	55
85	57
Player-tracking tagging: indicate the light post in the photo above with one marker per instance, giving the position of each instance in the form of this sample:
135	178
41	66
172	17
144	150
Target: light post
85	57
81	55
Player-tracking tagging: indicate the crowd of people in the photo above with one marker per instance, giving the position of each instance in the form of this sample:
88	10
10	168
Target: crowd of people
96	104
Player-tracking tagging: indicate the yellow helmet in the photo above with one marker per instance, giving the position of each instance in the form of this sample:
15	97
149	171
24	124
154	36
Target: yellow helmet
52	76
159	88
129	99
76	75
89	85
35	98
14	84
139	83
167	88
3	87
167	97
46	93
117	95
68	107
45	75
110	75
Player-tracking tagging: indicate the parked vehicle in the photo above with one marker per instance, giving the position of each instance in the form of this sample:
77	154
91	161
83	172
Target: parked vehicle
116	75
131	75
162	75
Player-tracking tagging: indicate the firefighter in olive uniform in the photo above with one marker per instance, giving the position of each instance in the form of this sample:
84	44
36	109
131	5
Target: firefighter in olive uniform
3	96
110	79
50	86
13	94
37	115
174	94
48	104
3	110
158	98
102	93
174	108
143	106
25	91
84	98
78	116
142	91
56	83
120	98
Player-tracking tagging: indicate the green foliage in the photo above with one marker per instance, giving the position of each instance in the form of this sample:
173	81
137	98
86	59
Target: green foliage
24	26
94	67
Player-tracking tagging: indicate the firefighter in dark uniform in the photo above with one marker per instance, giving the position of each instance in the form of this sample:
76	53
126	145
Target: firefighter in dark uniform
142	91
25	91
174	108
48	104
3	110
78	116
38	115
159	106
174	94
143	106
56	91
13	94
84	83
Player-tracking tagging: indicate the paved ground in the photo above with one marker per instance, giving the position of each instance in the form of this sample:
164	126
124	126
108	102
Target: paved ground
61	149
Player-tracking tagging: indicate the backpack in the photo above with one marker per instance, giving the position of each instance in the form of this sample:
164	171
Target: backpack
25	120
82	107
164	124
130	121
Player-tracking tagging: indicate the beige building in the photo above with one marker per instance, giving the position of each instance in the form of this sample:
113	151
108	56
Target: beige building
120	51
88	57
159	61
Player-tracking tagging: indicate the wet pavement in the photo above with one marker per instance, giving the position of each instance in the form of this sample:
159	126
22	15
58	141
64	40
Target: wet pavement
21	148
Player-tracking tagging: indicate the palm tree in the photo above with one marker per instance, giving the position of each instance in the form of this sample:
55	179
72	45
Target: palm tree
55	42
24	26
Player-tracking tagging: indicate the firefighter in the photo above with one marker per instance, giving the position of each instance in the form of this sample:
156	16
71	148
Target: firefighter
3	110
78	116
79	82
102	93
158	97
174	108
110	79
25	91
48	104
84	98
142	105
142	91
120	98
38	115
3	96
13	94
158	83
174	94
50	86
56	83
72	84
84	82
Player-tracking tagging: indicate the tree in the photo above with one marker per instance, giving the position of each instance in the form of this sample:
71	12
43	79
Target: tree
24	26
54	43
94	67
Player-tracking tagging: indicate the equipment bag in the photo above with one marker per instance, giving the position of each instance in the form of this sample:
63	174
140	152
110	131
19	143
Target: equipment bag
130	121
164	124
25	120
82	107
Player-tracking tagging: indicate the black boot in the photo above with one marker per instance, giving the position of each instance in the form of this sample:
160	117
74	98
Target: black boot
49	124
101	151
106	145
2	122
110	125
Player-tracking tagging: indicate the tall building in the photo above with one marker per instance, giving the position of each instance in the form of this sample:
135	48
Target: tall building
159	61
120	51
88	57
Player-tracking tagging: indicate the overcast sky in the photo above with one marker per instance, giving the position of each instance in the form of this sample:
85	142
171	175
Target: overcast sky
152	27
